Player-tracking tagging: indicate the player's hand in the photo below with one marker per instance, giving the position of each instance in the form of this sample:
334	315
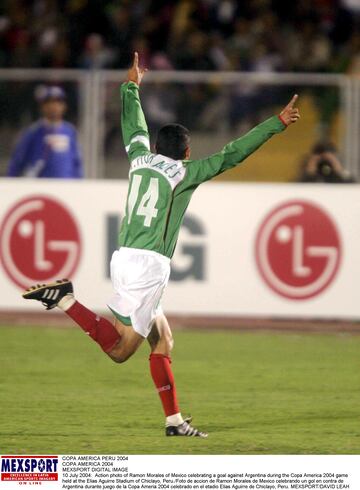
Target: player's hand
290	114
135	73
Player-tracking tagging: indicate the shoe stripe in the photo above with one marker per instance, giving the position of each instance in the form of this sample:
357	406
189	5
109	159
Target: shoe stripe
51	294
185	429
192	432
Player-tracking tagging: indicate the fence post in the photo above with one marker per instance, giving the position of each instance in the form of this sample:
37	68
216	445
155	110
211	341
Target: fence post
93	114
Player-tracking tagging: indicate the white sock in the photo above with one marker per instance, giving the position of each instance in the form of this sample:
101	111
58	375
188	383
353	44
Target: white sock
175	420
66	302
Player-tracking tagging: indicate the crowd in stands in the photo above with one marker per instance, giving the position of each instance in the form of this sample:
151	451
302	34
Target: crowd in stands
241	35
247	35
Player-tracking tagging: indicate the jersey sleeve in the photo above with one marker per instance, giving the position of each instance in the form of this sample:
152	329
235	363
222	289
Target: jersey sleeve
235	152
134	128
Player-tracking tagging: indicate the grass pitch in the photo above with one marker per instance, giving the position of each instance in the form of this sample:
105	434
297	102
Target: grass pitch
256	393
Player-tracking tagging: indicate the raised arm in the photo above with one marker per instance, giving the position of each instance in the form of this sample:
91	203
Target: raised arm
134	128
237	151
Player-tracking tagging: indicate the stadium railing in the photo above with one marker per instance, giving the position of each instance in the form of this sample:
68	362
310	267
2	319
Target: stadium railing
216	106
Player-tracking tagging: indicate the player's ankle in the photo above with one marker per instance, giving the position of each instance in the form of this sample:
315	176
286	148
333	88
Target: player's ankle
66	302
175	419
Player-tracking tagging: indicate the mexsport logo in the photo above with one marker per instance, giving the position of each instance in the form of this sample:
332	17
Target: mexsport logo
29	468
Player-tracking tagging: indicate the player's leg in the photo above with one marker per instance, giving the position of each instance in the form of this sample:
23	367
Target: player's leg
161	343
118	341
129	344
160	338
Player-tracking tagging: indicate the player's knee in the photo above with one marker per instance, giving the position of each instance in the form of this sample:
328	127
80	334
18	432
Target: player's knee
163	346
153	342
170	343
119	356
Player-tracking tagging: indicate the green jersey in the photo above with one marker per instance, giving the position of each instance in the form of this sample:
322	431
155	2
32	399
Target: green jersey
160	188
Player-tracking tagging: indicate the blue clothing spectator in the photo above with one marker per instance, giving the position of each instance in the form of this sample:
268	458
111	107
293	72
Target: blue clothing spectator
49	148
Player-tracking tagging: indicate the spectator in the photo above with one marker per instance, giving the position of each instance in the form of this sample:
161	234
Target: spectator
49	147
97	55
191	34
323	166
195	52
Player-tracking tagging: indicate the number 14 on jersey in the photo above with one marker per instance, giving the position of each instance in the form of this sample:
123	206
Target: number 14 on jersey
147	205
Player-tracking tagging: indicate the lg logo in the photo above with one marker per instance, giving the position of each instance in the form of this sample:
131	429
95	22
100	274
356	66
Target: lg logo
189	259
298	247
298	250
39	241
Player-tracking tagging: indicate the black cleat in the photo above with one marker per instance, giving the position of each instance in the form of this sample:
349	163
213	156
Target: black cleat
184	429
49	294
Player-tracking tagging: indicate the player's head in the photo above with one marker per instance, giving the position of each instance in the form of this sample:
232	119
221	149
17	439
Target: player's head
173	141
52	102
324	147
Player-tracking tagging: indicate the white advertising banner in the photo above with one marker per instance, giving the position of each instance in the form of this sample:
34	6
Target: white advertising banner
244	249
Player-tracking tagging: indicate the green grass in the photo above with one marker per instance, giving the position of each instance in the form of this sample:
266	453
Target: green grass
256	393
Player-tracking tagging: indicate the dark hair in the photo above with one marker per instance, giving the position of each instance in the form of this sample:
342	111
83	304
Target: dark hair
323	146
172	141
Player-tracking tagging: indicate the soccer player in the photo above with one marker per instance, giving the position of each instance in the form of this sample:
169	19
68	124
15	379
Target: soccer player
161	184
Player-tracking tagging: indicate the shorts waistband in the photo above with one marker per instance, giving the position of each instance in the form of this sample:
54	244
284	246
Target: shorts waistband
144	251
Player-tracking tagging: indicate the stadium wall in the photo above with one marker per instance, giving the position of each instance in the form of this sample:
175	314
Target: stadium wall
261	250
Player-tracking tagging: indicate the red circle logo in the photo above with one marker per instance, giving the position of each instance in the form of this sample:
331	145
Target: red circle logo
298	250
39	241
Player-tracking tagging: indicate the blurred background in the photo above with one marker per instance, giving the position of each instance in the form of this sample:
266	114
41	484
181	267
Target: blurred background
217	66
268	254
